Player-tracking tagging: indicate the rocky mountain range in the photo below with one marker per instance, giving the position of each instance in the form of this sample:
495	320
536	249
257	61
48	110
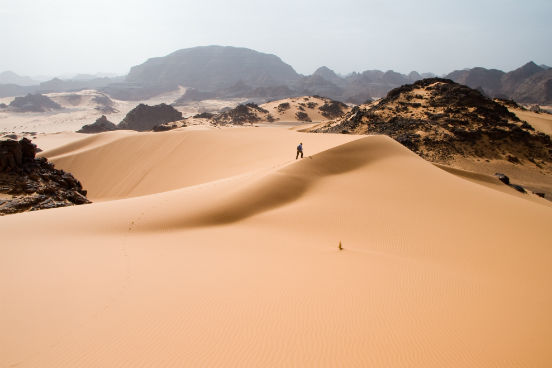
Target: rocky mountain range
530	83
228	72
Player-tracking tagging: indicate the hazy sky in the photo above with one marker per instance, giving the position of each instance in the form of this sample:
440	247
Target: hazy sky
57	37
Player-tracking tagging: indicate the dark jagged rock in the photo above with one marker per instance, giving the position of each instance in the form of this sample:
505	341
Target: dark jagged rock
100	125
506	180
33	103
503	178
145	117
34	183
3	106
440	120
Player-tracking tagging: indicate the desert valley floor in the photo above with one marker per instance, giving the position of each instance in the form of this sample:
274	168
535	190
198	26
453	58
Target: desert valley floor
215	247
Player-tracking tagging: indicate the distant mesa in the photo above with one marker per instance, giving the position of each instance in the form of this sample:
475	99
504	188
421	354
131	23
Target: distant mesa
100	125
33	103
442	120
210	68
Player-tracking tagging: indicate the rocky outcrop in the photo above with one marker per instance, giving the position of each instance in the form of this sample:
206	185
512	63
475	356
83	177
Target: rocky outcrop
442	120
28	183
144	117
100	125
33	103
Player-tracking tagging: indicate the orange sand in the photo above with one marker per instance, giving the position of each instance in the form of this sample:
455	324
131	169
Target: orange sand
229	258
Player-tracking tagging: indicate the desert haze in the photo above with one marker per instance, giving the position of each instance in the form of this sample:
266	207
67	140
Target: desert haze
215	247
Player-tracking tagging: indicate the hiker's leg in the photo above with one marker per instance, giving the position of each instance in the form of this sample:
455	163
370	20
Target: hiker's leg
301	154
297	155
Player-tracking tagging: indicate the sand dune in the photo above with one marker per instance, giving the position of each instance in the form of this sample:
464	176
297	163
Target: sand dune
541	122
239	266
125	164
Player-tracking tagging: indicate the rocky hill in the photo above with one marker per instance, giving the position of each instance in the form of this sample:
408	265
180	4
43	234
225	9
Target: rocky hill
443	121
100	125
33	103
28	183
144	117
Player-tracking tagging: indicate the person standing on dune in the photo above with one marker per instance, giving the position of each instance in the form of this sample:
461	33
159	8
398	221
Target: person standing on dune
299	151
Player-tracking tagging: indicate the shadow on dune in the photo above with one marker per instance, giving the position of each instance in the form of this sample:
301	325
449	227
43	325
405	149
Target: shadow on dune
285	185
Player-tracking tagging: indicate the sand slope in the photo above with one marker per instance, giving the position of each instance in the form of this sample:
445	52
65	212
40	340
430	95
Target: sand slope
541	122
436	271
124	164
